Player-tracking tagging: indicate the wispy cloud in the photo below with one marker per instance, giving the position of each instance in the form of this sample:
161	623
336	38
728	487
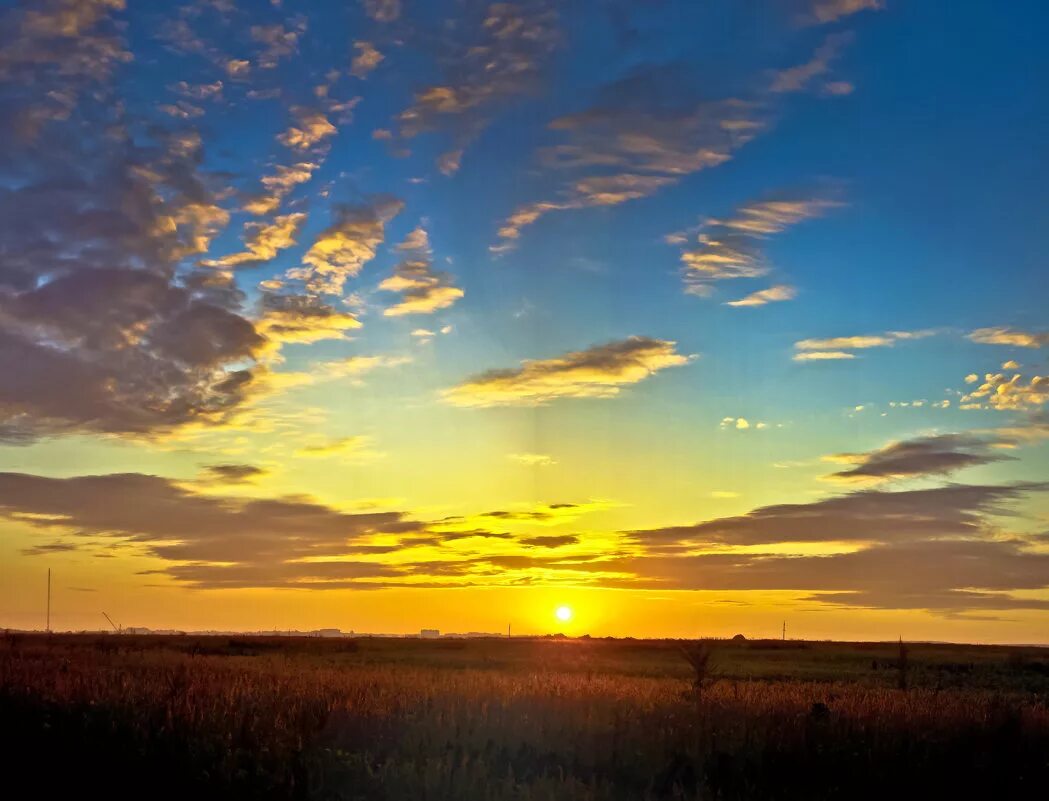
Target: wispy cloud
842	347
801	77
341	250
302	319
597	372
733	248
263	241
1010	336
824	11
922	456
355	447
367	58
499	57
532	459
229	473
423	290
773	294
641	135
383	10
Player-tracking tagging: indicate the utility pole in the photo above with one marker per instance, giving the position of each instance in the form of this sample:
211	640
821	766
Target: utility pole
784	636
508	631
49	600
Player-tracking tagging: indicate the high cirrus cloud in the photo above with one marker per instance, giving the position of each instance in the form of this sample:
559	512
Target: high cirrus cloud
597	372
639	137
842	347
723	249
773	294
500	57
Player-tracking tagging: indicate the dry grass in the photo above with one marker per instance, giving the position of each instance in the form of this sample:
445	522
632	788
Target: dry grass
331	723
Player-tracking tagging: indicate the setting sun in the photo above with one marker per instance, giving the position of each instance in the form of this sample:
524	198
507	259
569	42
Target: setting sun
563	613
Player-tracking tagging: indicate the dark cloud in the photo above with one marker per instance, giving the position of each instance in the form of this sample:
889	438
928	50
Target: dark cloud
926	549
932	549
50	547
551	541
233	473
931	574
956	510
934	455
259	541
103	327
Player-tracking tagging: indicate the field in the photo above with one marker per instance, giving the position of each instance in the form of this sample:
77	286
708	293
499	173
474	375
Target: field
218	717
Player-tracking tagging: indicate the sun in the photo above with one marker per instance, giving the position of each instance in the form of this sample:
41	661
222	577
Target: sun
563	613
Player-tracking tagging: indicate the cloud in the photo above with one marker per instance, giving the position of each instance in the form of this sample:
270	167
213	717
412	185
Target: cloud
797	79
839	347
302	319
344	446
311	128
278	185
383	10
956	510
922	456
741	423
824	11
822	355
532	459
100	329
278	42
205	540
1009	336
732	248
233	473
263	241
423	290
773	294
489	61
641	136
366	60
1001	392
597	372
342	250
552	541
935	549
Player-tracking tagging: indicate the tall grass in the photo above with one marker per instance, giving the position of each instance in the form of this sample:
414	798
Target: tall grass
284	723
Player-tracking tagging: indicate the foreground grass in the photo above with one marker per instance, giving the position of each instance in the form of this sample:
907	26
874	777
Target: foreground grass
183	717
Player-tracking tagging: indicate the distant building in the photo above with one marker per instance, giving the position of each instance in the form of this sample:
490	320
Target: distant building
328	633
429	634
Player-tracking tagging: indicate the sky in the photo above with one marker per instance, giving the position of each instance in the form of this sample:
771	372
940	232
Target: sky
694	317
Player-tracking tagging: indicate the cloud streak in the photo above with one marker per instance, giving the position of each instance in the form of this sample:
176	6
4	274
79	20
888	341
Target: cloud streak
597	372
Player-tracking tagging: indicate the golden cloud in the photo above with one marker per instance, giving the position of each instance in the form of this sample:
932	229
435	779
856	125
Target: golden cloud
597	372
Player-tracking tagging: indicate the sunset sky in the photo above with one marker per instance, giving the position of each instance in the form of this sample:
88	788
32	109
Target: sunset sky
693	317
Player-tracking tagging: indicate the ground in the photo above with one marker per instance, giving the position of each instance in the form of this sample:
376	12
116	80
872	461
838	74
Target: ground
246	717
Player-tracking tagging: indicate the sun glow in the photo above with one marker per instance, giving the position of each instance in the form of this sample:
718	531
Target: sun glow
563	613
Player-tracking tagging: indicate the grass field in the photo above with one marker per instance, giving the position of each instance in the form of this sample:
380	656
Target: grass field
220	717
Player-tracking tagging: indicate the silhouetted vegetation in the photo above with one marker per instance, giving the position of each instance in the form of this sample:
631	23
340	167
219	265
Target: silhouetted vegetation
275	718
